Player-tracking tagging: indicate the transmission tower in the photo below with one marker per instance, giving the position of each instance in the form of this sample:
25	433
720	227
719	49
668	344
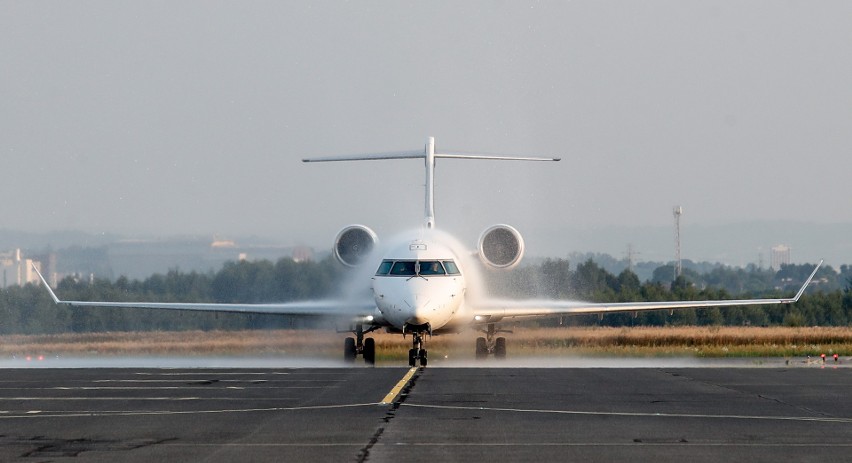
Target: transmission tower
677	212
631	255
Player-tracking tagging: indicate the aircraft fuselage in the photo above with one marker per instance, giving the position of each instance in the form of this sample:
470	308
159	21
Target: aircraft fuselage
419	286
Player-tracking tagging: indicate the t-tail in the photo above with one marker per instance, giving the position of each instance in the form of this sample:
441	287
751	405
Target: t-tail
429	154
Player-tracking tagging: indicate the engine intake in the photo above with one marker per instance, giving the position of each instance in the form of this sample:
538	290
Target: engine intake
501	246
353	244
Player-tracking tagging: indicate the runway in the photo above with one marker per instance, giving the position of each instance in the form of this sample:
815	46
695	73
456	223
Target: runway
438	414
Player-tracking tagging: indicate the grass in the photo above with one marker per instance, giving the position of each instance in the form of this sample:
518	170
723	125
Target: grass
594	341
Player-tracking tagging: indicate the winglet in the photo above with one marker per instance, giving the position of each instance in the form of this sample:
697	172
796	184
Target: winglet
52	294
807	282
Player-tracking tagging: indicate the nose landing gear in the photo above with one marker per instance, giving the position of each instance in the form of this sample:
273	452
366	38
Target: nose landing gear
418	344
417	352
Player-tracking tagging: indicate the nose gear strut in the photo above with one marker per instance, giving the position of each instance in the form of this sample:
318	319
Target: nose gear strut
418	344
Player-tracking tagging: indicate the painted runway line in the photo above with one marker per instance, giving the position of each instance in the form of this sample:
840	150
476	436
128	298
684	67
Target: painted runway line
391	396
99	413
636	414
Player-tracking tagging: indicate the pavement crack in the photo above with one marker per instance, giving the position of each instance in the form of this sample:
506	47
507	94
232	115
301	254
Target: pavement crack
43	447
760	396
364	453
797	407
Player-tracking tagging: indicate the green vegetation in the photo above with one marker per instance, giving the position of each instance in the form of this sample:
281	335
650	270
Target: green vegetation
686	341
29	309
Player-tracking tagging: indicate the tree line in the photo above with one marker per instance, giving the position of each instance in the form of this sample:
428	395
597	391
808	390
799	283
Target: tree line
30	310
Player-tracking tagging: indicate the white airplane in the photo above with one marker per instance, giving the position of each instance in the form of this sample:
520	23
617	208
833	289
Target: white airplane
425	283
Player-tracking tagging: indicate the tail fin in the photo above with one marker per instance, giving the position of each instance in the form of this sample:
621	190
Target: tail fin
429	155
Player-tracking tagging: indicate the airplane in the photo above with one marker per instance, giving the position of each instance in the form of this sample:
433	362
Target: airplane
425	283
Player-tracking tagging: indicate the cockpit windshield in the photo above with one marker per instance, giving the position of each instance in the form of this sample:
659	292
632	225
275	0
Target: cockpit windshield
431	267
409	268
403	268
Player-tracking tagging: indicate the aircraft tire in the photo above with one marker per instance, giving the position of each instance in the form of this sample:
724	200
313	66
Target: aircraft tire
500	348
349	351
412	357
481	349
423	359
370	351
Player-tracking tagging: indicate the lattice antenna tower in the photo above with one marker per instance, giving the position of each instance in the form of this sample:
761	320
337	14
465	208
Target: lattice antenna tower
631	256
677	211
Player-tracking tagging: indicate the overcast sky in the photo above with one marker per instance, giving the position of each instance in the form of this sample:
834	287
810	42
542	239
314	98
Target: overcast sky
190	117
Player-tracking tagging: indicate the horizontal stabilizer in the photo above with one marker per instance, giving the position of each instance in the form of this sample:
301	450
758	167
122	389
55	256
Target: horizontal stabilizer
421	155
370	157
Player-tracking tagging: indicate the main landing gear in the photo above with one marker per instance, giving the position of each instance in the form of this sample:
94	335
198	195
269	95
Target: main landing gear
359	345
491	345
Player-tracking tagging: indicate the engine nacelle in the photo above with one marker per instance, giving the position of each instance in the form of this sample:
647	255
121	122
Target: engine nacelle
353	244
501	246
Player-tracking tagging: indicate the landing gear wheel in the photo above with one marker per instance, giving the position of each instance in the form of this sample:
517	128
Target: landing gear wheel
349	351
370	351
412	357
500	348
481	349
423	360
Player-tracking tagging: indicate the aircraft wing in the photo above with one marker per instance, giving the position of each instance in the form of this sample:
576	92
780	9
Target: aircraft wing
494	310
365	311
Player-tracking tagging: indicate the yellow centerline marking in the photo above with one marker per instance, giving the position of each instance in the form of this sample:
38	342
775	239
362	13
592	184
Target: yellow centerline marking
398	388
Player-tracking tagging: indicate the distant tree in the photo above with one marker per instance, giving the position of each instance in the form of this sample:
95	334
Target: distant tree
628	286
29	309
591	282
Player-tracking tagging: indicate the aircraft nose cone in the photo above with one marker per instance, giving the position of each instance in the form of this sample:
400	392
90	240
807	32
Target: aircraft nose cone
420	309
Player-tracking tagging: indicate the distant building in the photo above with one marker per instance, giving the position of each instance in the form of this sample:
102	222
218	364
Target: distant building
15	270
222	243
303	254
137	259
780	255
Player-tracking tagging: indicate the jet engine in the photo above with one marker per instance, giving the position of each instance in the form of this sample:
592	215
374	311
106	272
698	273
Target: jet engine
353	244
501	246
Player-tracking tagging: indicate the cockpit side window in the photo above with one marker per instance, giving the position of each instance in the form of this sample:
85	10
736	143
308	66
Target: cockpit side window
431	267
452	268
384	267
403	268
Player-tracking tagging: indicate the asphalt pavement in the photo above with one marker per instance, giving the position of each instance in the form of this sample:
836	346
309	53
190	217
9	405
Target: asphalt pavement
436	414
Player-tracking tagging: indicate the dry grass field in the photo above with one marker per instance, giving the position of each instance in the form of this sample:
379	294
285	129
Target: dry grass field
595	341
